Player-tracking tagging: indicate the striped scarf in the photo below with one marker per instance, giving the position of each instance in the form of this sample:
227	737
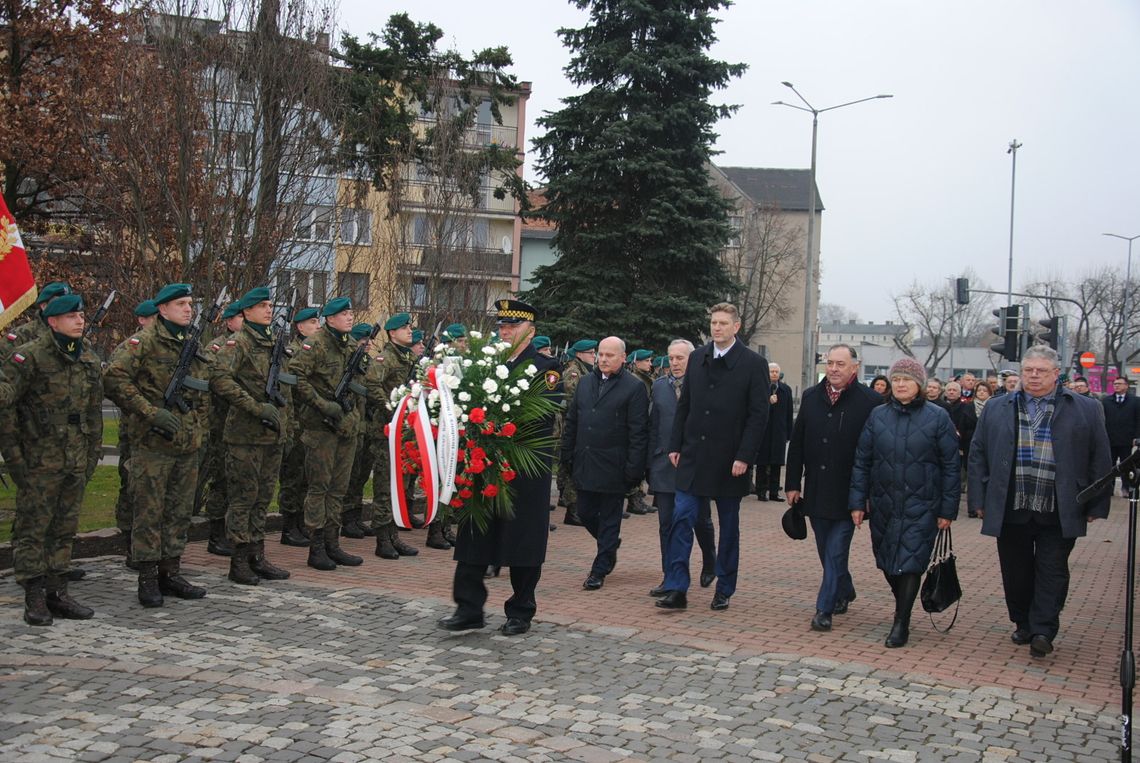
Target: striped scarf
1035	473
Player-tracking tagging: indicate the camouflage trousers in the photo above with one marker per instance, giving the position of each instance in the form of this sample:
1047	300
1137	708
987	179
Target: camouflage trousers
328	465
162	490
361	470
251	475
567	493
47	518
381	488
124	511
291	498
212	493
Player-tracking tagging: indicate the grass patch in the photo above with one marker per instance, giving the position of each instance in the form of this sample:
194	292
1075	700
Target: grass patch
98	509
110	430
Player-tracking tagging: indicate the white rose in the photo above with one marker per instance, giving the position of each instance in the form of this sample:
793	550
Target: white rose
416	389
490	386
514	391
524	385
506	407
495	398
433	396
502	372
463	418
464	397
475	334
530	370
467	362
452	382
489	350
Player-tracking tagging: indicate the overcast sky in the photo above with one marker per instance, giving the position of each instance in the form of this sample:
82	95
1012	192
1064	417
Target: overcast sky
916	187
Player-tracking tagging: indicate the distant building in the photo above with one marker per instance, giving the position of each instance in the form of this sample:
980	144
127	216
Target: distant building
855	333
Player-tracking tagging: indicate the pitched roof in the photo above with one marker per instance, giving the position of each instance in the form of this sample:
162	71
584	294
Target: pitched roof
536	226
787	189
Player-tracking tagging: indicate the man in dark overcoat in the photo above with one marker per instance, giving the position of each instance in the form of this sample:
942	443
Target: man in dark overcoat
820	459
1122	420
603	447
1033	451
720	419
774	443
520	541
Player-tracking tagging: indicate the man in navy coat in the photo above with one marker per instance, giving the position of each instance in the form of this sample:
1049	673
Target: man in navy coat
720	419
1034	449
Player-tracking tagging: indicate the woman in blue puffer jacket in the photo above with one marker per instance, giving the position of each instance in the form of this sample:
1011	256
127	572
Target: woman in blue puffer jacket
906	482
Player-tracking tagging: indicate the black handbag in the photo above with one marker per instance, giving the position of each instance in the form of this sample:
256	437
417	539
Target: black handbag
941	588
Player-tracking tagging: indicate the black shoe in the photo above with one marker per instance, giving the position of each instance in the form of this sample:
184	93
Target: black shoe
571	517
352	529
707	578
492	571
593	583
62	605
761	496
972	514
384	547
435	537
659	591
1040	645
149	593
514	626
840	607
265	569
457	622
74	574
774	495
318	556
673	600
36	611
339	556
173	584
240	572
1020	636
821	622
219	544
719	602
899	635
293	531
403	549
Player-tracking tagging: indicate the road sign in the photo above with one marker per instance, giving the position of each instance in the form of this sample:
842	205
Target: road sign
1088	359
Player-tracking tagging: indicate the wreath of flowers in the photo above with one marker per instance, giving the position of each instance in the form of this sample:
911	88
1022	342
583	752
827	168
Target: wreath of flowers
488	425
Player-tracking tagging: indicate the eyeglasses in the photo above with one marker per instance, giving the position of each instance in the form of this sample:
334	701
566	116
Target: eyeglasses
1037	371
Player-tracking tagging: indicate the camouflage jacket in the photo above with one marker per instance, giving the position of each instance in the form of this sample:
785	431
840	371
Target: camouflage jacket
136	380
644	378
56	414
238	376
571	375
28	331
319	367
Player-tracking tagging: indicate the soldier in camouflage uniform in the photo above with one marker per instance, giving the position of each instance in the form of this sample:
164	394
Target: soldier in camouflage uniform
35	327
53	402
393	369
254	436
542	346
641	366
212	490
583	354
145	314
163	472
328	432
291	497
351	525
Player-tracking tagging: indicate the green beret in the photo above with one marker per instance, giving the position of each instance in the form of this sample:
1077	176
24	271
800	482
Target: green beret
173	291
361	331
254	297
51	291
640	355
305	314
584	345
336	305
540	341
417	336
397	321
67	303
454	331
661	361
146	308
232	309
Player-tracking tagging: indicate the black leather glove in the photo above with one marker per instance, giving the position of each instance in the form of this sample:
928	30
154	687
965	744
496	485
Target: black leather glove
166	421
270	416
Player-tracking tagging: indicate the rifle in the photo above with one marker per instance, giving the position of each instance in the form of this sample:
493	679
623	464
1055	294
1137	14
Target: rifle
429	345
346	385
172	397
276	376
563	358
101	313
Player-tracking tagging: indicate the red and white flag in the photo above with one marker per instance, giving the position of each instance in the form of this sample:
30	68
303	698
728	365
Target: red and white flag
17	286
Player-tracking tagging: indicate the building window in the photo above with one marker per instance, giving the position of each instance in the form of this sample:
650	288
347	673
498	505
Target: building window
355	287
356	227
419	293
736	225
311	285
315	224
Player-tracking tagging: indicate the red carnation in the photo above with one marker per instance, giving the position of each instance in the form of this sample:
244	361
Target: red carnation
508	430
477	467
478	454
386	428
465	493
456	503
508	475
491	491
477	415
490	428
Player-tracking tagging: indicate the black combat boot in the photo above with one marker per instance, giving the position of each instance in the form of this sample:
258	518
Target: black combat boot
240	572
171	582
384	547
350	524
318	556
403	549
62	605
35	605
636	504
335	552
435	537
219	544
262	566
449	533
293	531
149	593
572	517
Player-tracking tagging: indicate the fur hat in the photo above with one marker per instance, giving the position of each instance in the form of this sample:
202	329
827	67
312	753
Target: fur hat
910	368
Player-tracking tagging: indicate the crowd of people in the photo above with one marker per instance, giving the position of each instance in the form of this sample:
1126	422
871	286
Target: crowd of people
695	428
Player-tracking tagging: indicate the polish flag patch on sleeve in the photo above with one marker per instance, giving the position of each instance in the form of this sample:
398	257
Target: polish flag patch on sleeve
18	358
306	347
134	340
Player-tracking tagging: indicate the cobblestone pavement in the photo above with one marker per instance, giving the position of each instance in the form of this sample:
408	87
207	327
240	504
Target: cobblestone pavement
349	666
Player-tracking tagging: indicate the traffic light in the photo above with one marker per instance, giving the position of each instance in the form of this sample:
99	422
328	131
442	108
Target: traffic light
1008	331
1054	333
963	291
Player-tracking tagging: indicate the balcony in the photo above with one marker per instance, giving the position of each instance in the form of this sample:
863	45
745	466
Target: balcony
472	261
481	135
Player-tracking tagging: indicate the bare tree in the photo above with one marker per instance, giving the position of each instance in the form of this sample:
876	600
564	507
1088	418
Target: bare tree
931	313
829	312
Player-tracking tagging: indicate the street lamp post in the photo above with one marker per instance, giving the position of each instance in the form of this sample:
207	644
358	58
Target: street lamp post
1127	292
1013	146
807	374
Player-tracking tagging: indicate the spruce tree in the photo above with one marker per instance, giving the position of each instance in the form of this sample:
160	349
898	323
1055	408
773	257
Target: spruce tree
640	228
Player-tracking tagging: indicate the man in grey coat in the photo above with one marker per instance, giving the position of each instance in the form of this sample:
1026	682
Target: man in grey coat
1033	451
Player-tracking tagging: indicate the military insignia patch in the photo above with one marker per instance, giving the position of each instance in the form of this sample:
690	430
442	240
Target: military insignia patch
552	378
18	358
215	347
11	337
230	342
134	340
306	347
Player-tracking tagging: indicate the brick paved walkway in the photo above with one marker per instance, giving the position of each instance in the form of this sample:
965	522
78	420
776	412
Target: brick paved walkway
348	666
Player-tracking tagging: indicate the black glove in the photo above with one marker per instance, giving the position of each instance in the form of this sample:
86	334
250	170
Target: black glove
270	416
166	421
